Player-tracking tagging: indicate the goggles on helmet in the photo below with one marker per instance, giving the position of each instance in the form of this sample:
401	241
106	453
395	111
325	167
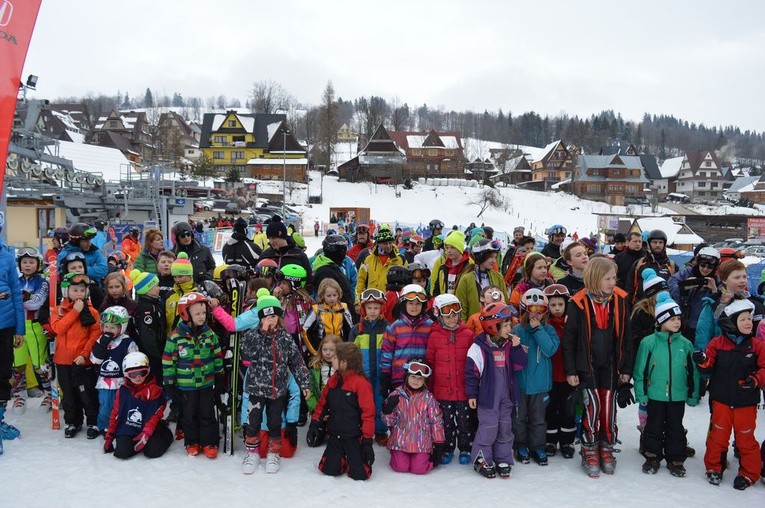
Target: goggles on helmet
450	308
504	314
421	274
138	373
493	245
80	280
418	369
113	319
537	309
27	252
372	295
413	295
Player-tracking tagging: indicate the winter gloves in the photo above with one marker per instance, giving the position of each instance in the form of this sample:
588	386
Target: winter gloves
86	318
699	357
390	404
315	435
437	454
624	395
140	441
367	452
100	348
290	433
109	443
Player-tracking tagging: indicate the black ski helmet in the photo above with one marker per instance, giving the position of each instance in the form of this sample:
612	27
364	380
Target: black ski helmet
657	234
435	224
335	247
398	277
181	227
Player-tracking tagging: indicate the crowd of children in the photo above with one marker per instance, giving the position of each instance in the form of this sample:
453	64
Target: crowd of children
442	353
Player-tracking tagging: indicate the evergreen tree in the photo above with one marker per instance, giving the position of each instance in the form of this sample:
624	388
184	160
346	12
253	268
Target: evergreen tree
148	99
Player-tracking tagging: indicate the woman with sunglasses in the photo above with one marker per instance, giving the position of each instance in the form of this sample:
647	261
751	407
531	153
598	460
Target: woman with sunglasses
135	423
692	284
417	430
447	349
80	240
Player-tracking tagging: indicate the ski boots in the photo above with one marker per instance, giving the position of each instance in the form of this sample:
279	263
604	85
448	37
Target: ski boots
210	451
19	405
447	458
540	456
92	432
551	449
35	393
46	404
568	451
607	460
504	469
72	430
689	451
484	469
464	458
741	482
714	477
676	469
273	462
590	461
192	450
178	434
251	462
522	455
651	465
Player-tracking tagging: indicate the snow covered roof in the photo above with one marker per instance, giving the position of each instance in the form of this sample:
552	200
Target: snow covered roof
415	141
743	184
66	120
248	122
671	167
546	150
110	162
272	128
677	233
450	142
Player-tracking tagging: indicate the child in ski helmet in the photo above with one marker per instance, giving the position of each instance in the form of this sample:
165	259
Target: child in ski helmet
107	354
191	362
448	344
76	326
412	413
295	299
560	421
405	338
491	386
540	341
489	294
136	424
272	354
345	416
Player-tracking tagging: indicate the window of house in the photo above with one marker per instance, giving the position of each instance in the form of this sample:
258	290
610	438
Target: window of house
46	221
232	123
707	164
432	152
237	155
113	124
702	193
417	152
219	140
714	185
702	184
218	154
551	174
450	153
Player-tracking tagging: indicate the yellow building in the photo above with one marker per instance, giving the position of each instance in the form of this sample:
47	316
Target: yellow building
28	221
231	139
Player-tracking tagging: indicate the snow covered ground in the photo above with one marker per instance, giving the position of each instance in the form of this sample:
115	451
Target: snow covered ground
44	469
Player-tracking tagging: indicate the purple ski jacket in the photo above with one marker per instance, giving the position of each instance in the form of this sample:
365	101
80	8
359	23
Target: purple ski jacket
479	370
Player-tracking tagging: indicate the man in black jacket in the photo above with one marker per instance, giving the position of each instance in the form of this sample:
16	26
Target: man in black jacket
656	258
240	250
627	258
282	248
200	256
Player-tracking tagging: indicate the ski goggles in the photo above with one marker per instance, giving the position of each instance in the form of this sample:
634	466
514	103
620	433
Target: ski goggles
27	252
112	319
231	273
450	308
708	262
80	280
362	228
418	369
372	295
138	373
537	309
503	314
421	274
412	296
89	234
270	271
492	246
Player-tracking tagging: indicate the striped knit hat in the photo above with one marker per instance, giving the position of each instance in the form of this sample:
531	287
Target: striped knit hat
182	266
666	307
652	283
143	282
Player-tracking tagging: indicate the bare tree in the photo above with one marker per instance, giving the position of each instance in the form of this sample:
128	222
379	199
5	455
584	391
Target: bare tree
327	124
399	115
268	96
487	199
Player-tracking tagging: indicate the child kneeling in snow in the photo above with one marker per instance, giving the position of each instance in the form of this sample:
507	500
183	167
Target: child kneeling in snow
136	423
345	415
416	440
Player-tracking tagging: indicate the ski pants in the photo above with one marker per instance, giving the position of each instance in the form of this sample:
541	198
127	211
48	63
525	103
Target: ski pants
741	420
415	463
105	404
200	426
6	362
494	437
156	446
664	435
34	349
561	428
529	425
274	409
78	393
599	416
459	424
343	455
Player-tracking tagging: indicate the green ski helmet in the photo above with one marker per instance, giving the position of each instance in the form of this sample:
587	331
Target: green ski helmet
295	274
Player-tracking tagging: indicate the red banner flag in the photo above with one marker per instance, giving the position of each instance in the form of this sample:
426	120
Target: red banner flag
17	20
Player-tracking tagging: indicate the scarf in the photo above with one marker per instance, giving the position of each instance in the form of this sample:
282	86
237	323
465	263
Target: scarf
600	297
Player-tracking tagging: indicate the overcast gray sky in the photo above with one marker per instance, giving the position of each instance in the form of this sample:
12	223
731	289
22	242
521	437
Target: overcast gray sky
699	60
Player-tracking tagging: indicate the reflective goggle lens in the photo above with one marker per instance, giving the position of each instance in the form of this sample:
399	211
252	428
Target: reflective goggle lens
28	252
452	308
137	373
372	295
412	296
418	369
112	319
537	309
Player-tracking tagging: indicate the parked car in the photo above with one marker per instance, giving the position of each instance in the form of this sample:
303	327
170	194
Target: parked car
232	207
755	250
203	205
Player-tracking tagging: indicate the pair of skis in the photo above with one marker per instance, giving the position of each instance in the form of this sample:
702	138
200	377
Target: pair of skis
236	290
55	396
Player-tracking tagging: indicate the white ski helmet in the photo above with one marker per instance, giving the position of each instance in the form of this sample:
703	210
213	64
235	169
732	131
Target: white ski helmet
134	360
448	302
116	315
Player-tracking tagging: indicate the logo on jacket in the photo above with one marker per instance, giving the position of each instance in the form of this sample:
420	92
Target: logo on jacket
182	352
148	320
135	418
110	366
